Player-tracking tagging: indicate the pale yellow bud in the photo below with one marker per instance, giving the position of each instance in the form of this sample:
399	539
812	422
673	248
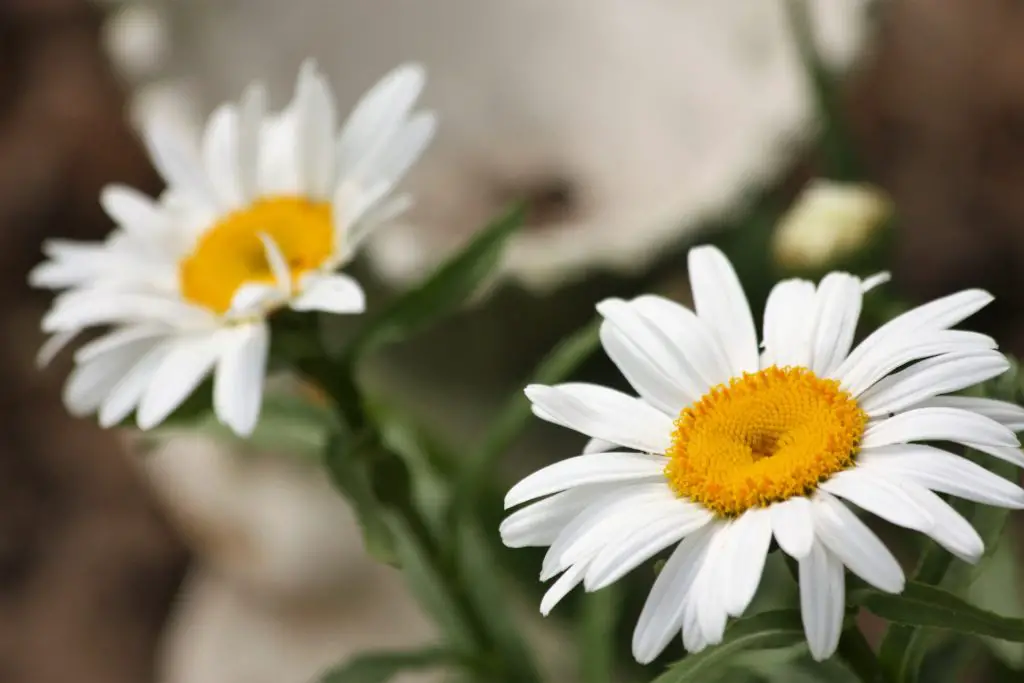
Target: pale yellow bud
830	220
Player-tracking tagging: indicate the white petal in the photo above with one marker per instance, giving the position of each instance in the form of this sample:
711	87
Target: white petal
837	310
944	472
933	316
238	383
650	382
788	324
277	262
1008	414
669	524
177	160
90	383
117	339
941	375
540	523
220	156
793	526
855	544
390	162
598	446
720	302
662	614
125	395
133	211
180	372
860	376
378	115
53	346
117	308
822	600
597	468
689	334
875	280
315	121
693	635
606	414
938	424
330	294
560	588
250	124
1010	454
254	299
658	365
709	590
951	530
745	546
879	496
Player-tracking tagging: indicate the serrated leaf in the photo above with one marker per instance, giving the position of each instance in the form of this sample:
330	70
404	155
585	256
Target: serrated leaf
768	630
381	667
932	607
444	291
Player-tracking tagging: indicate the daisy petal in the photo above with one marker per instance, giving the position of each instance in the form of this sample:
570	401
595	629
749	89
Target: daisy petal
337	293
183	367
220	156
822	600
277	262
53	346
90	383
663	611
855	544
837	310
875	280
1008	414
606	414
540	523
746	545
390	164
178	162
670	524
655	352
238	381
598	446
689	335
250	123
879	496
787	327
641	372
793	526
720	302
117	339
938	424
315	118
939	470
940	375
560	588
951	530
597	468
710	590
133	211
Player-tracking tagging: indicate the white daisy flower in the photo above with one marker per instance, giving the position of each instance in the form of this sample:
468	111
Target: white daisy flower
726	448
256	217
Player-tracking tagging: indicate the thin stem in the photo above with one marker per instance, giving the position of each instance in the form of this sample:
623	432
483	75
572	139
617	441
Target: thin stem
855	650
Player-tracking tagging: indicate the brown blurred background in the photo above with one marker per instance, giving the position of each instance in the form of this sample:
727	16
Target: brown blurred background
88	566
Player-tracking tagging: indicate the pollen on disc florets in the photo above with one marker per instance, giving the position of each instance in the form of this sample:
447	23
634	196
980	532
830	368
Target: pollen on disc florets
763	438
231	253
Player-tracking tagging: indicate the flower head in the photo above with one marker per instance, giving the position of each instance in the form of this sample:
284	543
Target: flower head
731	444
257	217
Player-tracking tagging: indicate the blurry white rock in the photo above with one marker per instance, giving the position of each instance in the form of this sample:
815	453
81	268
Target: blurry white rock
634	120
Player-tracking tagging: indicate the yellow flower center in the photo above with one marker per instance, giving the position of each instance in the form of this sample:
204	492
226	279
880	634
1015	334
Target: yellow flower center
231	253
763	438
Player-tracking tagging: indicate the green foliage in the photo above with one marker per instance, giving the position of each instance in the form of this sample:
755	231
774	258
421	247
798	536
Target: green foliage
381	667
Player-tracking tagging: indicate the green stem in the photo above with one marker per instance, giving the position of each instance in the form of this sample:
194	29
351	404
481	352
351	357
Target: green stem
855	650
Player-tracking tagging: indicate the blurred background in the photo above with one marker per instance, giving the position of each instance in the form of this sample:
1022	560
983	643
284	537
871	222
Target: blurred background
633	128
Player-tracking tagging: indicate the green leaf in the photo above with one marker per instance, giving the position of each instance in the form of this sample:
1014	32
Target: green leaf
444	291
998	588
380	667
349	465
429	587
768	630
929	606
598	619
481	576
572	352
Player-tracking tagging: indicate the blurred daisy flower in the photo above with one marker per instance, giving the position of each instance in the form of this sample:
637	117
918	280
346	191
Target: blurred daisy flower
257	216
731	444
830	221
